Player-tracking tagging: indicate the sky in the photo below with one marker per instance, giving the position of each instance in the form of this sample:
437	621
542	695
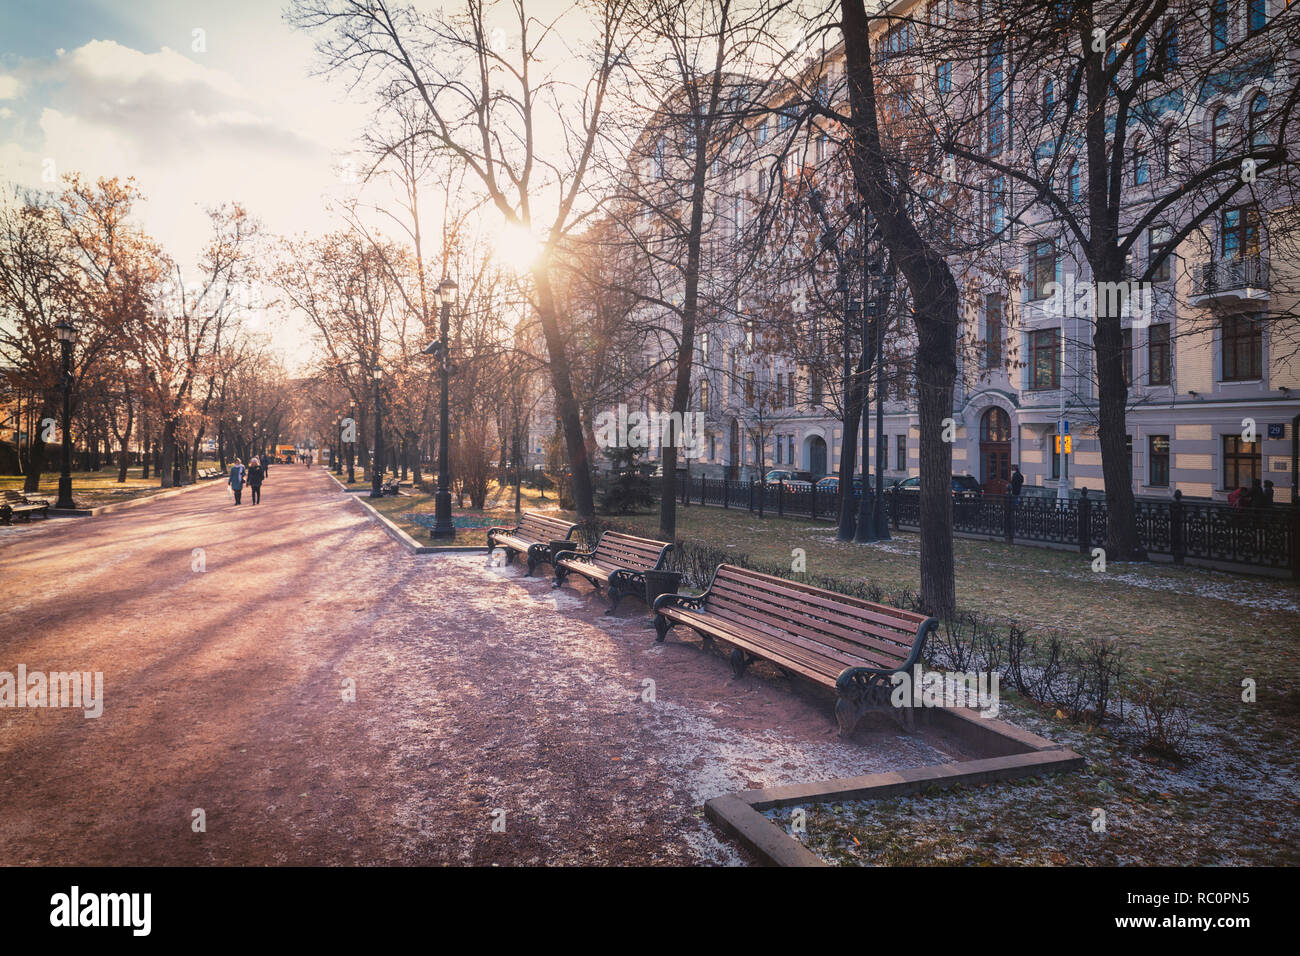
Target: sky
202	102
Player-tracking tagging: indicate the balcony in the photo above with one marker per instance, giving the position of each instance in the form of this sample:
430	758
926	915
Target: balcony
1230	282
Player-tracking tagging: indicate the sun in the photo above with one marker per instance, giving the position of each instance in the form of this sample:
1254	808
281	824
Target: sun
516	249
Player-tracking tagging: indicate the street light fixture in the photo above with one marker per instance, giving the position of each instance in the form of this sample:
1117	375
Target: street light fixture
67	333
352	445
376	463
442	524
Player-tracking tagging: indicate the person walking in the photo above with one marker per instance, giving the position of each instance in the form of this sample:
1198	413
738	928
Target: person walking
1017	481
1268	494
237	473
255	475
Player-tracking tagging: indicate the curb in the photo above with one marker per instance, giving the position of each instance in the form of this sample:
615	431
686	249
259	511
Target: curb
398	533
1014	753
113	506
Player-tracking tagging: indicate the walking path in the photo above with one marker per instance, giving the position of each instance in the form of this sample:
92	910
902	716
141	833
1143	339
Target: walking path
476	691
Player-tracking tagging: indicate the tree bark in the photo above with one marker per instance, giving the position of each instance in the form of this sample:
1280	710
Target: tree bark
566	404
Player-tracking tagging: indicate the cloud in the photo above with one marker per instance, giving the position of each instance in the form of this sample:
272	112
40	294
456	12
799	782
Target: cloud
10	87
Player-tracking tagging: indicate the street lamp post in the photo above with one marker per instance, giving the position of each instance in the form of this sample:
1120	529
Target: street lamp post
352	445
67	333
442	523
377	462
337	456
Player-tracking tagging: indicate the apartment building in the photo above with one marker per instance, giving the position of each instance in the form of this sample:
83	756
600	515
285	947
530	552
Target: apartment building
1211	351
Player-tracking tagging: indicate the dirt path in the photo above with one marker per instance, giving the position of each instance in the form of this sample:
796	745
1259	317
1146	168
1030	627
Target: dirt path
476	691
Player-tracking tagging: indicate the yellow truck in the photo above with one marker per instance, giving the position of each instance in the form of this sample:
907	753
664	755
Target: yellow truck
284	454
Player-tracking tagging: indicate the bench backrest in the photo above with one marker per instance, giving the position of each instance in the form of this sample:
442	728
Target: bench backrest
13	497
543	528
825	622
618	550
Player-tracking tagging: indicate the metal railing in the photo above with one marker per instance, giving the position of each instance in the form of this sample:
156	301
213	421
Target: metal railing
1227	275
1210	531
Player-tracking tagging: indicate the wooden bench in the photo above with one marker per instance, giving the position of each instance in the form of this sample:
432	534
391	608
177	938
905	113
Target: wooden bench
832	639
618	563
16	503
532	536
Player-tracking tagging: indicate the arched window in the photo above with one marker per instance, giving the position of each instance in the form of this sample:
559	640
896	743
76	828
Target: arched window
1141	163
1049	99
1220	133
1258	134
1168	147
1074	186
995	425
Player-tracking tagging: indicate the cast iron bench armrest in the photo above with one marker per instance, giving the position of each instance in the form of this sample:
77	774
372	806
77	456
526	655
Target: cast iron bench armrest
687	602
854	675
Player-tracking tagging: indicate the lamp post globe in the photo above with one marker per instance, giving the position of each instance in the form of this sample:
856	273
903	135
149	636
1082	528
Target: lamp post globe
67	333
443	528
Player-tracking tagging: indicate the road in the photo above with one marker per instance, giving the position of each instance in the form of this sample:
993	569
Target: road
493	721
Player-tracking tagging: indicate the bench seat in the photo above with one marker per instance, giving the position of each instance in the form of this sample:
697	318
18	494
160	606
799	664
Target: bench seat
531	537
618	563
831	639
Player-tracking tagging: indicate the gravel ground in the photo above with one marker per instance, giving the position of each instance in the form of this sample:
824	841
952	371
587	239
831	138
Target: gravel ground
481	698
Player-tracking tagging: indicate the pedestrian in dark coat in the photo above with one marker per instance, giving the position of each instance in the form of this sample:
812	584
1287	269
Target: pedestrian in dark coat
255	475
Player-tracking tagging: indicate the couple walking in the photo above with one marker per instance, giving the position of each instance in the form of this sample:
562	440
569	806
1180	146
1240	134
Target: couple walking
251	476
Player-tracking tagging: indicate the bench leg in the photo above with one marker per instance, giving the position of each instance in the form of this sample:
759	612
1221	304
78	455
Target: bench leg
739	662
615	595
848	712
662	625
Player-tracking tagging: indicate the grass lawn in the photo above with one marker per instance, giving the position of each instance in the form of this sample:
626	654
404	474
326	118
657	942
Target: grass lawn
414	513
91	489
1233	799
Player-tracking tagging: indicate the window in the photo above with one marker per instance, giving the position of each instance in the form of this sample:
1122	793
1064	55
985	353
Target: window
995	426
1258	133
1240	462
1042	268
998	205
780	389
943	76
1049	99
1044	359
1141	163
1242	348
1240	232
1160	252
1158	461
1158	354
789	390
1169	43
1140	57
814	389
1074	184
995	97
789	448
778	449
1256	15
883	448
993	331
1126	354
901	464
1218	25
820	153
1168	147
749	388
1220	133
704	394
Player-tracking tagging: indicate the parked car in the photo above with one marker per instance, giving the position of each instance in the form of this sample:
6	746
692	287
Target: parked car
964	487
832	483
793	480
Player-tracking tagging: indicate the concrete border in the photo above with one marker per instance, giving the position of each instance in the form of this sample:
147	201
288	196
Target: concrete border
1006	752
400	534
132	502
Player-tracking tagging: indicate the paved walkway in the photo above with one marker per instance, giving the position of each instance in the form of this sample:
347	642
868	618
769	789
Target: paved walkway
476	691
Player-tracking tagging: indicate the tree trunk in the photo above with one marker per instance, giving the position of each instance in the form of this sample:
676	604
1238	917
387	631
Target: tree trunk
166	466
566	405
935	300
